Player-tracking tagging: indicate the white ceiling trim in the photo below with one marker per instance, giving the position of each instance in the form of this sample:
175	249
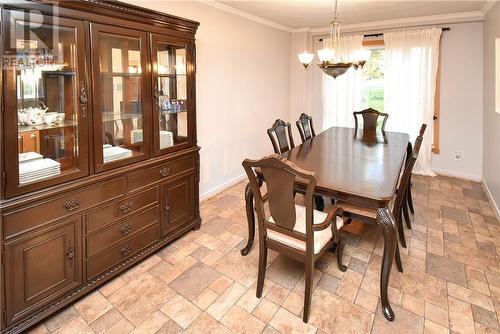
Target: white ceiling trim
405	22
487	6
366	26
246	15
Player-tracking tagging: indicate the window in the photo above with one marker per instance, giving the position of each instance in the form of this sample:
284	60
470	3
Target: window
372	95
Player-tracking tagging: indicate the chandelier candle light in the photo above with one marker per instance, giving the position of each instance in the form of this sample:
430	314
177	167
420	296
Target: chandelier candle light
330	57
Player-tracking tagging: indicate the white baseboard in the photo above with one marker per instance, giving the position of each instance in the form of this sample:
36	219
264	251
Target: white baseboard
220	188
475	178
490	198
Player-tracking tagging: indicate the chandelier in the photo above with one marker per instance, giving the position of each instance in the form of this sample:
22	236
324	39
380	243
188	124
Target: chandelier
330	57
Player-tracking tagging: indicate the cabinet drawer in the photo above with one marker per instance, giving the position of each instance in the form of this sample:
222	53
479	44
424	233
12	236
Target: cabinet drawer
143	178
122	251
120	209
35	216
121	231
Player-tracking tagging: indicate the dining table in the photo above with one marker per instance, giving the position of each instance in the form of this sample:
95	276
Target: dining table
361	167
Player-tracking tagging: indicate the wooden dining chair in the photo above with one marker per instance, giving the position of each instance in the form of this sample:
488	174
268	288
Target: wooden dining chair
282	140
305	127
357	212
408	201
281	136
370	119
297	231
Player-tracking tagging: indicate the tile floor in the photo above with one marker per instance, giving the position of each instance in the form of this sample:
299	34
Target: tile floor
201	283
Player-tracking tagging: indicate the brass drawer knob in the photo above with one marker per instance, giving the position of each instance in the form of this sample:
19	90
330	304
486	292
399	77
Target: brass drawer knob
126	229
126	207
72	204
164	171
126	250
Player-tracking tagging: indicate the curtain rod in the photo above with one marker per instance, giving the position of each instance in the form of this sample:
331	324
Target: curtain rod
382	34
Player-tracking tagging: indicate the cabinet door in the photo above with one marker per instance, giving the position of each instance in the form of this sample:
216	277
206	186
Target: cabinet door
46	109
121	96
42	267
178	203
173	103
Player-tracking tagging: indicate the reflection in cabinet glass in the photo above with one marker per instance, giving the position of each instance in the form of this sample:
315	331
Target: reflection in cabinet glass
46	99
121	78
171	94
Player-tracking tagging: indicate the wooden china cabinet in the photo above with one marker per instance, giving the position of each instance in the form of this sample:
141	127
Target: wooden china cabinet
99	159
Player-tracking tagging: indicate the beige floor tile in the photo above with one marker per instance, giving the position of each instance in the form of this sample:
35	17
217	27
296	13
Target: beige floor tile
194	280
349	285
366	300
61	318
106	321
170	327
436	314
207	325
413	304
286	322
77	325
470	296
93	306
265	310
460	314
177	270
121	327
181	310
208	241
221	284
141	297
205	298
226	300
433	328
404	322
277	294
242	322
38	329
107	289
152	324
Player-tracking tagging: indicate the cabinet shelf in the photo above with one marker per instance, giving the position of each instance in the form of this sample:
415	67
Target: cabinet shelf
40	127
121	74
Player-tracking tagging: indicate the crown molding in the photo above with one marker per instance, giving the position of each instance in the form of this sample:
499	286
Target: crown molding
365	26
487	6
218	5
408	22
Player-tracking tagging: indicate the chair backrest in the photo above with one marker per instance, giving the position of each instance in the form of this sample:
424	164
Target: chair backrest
370	119
305	126
281	136
410	163
280	176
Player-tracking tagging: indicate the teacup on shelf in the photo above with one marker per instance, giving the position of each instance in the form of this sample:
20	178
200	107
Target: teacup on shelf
53	118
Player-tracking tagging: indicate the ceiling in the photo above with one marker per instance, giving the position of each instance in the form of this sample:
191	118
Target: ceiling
316	14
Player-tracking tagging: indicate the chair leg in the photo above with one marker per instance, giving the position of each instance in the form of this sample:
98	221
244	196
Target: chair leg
399	264
340	252
308	289
319	202
406	215
401	232
262	267
409	198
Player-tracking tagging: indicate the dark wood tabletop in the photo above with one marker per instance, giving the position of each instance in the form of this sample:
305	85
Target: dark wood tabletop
355	165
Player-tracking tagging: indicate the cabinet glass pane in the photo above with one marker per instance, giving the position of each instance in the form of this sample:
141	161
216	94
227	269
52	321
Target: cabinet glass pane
47	106
121	79
171	93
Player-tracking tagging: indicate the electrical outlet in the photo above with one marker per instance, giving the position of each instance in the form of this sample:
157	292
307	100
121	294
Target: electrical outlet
457	156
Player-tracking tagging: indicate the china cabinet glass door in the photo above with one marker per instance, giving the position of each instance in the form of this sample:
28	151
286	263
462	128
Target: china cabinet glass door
45	101
172	72
121	109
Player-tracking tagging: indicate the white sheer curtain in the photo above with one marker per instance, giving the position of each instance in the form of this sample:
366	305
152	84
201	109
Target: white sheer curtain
412	58
342	96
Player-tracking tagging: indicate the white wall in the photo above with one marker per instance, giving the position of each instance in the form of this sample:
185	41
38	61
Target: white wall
461	98
461	110
242	86
491	133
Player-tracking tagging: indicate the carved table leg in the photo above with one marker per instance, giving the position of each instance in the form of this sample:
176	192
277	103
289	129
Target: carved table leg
250	218
385	221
